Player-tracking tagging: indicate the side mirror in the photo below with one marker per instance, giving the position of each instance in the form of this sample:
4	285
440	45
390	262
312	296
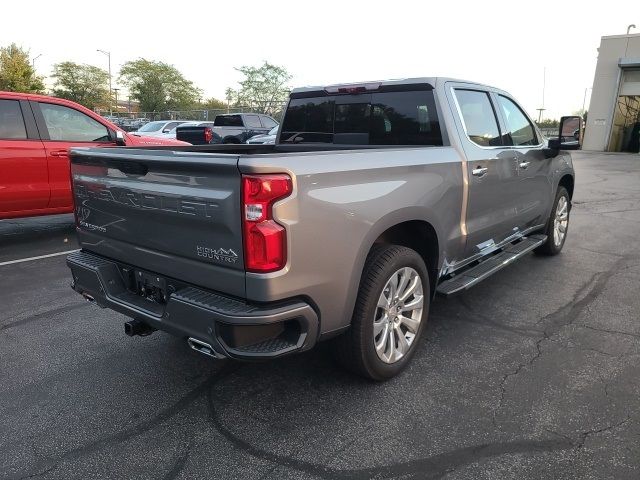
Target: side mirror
120	140
569	133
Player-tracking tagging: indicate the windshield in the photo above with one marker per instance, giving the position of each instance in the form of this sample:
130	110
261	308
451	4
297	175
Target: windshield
385	118
274	130
152	127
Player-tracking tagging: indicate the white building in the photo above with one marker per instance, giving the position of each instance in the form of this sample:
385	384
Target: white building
613	122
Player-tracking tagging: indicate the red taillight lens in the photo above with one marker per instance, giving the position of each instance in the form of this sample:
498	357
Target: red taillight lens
265	241
208	134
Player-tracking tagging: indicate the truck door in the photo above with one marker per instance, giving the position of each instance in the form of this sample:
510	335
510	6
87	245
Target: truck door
24	180
491	172
62	127
535	191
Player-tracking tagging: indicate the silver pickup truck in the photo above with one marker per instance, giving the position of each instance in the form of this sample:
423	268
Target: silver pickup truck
375	198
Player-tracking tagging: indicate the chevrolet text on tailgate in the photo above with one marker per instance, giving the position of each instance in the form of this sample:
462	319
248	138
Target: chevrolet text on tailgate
374	198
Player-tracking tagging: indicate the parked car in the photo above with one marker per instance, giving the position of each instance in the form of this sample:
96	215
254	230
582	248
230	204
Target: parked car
268	138
376	197
158	128
231	127
35	133
139	122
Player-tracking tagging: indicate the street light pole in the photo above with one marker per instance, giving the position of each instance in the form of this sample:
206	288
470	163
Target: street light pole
108	54
33	61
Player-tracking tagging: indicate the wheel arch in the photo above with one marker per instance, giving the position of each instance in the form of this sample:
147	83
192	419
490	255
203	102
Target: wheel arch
418	235
567	181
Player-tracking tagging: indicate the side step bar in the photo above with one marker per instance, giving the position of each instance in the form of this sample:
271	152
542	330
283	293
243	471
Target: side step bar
509	254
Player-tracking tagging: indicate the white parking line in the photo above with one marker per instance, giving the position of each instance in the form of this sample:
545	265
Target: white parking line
29	259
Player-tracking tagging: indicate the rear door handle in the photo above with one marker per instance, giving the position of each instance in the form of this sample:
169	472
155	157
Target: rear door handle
479	171
524	165
59	153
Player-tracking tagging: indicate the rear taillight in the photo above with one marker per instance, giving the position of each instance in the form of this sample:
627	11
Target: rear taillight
265	241
208	134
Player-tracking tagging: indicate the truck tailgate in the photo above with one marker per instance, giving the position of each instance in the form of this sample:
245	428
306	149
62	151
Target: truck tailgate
172	213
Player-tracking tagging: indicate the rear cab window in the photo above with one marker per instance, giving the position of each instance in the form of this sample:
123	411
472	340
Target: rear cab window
228	121
379	118
12	125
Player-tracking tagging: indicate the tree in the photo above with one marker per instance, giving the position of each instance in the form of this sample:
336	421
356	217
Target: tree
158	86
85	84
16	71
548	123
263	88
213	104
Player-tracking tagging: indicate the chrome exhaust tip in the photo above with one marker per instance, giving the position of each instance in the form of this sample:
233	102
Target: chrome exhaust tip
203	348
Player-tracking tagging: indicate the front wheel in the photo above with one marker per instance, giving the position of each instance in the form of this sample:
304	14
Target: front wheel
390	313
557	225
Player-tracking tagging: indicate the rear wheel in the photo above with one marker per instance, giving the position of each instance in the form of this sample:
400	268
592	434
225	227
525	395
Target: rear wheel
390	313
557	225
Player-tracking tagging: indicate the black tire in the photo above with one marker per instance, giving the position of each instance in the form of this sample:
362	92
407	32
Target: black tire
550	247
355	349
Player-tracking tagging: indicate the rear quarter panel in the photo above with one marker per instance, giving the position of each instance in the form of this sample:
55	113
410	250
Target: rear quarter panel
342	202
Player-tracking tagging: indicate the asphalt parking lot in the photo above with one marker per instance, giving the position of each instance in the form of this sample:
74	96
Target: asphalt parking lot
532	374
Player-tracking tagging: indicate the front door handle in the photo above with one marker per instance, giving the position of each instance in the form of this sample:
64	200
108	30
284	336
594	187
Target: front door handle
59	153
524	165
479	171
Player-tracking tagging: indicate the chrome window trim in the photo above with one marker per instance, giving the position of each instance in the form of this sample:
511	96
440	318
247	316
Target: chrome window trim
464	125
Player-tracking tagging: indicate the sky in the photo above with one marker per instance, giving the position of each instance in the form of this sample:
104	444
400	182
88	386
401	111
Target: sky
506	44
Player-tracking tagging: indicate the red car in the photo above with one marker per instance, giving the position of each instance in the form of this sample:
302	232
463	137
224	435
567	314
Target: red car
36	132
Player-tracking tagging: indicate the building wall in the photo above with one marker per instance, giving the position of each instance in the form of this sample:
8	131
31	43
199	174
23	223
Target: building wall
605	88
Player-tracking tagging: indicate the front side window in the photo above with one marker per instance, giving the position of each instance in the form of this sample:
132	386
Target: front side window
11	121
478	117
384	118
70	125
252	121
519	127
170	126
152	127
268	122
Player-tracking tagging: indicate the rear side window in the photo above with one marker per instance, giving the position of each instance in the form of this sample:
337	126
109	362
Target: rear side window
478	117
11	121
385	118
228	121
520	129
252	121
69	125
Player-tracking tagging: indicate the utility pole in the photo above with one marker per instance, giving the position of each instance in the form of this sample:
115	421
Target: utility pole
108	54
544	84
33	61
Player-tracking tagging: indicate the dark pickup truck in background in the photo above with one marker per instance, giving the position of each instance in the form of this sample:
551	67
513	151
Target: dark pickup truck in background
374	198
233	128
